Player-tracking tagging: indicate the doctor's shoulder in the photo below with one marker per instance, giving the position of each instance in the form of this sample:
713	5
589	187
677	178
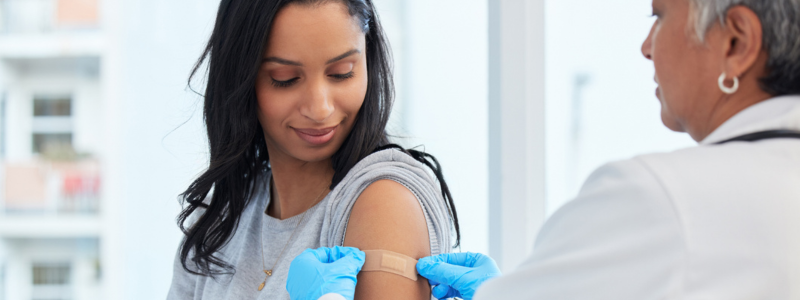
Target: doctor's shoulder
660	172
722	169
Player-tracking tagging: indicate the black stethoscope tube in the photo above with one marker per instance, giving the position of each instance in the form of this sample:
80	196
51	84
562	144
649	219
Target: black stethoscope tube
763	135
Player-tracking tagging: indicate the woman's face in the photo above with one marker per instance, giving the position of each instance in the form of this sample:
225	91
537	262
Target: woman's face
312	81
686	69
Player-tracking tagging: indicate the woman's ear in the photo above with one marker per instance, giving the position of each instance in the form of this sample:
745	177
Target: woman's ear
744	34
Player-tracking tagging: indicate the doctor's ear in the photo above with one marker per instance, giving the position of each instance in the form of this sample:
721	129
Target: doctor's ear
743	38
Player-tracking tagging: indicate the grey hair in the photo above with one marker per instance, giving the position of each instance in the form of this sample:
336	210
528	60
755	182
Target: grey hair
780	20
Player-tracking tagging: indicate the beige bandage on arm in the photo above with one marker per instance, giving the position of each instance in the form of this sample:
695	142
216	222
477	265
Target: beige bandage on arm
390	262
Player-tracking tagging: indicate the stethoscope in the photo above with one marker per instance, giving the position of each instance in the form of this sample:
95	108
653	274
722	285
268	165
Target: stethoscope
764	135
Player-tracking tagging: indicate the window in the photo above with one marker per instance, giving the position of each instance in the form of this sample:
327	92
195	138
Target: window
51	281
50	142
52	125
51	274
52	107
600	103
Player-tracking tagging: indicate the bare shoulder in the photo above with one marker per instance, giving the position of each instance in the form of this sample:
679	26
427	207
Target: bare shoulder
387	216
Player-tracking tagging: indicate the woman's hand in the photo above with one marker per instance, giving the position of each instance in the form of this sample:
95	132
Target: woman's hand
317	272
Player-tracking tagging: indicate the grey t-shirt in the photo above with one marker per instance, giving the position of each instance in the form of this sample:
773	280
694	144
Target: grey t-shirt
324	225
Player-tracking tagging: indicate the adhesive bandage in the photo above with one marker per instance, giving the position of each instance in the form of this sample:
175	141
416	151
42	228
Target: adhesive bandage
390	262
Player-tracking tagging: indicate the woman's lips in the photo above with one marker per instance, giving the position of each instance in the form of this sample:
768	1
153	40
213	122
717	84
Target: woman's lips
316	136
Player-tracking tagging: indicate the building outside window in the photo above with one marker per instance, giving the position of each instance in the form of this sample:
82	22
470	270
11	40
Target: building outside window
51	281
51	130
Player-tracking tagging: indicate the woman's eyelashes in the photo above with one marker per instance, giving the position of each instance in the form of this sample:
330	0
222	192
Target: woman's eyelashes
656	13
285	83
290	82
342	76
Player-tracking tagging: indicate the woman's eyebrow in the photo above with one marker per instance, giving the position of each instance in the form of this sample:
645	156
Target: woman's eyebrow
294	63
343	56
281	61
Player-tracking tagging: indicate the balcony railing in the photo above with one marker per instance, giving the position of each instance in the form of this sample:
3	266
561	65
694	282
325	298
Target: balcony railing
42	16
51	187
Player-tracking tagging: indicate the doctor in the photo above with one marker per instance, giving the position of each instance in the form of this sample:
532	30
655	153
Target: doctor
716	221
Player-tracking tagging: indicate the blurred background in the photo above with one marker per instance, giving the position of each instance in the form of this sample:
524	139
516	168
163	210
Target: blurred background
99	132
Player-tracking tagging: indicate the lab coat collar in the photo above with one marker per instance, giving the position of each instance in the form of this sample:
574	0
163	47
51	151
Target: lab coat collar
776	113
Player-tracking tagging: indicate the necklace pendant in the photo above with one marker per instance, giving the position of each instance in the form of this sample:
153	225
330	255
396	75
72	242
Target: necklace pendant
261	286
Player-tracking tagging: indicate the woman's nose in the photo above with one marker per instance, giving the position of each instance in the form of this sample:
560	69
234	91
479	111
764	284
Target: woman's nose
318	105
647	46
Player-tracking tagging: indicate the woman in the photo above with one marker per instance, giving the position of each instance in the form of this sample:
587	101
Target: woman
717	221
296	105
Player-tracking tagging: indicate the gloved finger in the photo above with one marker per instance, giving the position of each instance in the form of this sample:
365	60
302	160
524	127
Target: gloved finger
322	254
464	259
312	255
338	252
443	291
442	272
353	259
330	254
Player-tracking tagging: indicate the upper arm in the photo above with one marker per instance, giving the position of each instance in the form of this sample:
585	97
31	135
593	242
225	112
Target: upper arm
387	216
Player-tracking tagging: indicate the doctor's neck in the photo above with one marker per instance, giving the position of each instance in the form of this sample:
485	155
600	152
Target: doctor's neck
723	110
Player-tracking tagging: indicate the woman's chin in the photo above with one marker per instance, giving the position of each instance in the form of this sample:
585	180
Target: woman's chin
313	155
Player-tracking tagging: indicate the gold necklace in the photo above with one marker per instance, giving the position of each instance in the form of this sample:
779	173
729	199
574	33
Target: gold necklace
263	264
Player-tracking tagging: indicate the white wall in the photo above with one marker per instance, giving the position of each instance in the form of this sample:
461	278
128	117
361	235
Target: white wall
154	136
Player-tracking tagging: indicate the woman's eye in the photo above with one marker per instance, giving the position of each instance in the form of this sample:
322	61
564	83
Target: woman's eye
342	76
656	14
286	83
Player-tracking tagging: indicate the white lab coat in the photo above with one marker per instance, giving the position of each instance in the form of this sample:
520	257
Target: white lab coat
332	296
708	222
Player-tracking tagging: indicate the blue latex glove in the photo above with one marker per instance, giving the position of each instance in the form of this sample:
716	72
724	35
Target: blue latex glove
457	274
317	272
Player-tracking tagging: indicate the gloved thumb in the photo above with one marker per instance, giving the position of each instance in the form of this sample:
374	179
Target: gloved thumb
442	272
353	259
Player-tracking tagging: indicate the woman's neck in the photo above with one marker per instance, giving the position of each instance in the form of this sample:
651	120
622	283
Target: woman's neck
297	185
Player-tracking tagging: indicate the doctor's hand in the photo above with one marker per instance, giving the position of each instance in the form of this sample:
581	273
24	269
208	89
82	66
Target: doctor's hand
317	272
457	274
